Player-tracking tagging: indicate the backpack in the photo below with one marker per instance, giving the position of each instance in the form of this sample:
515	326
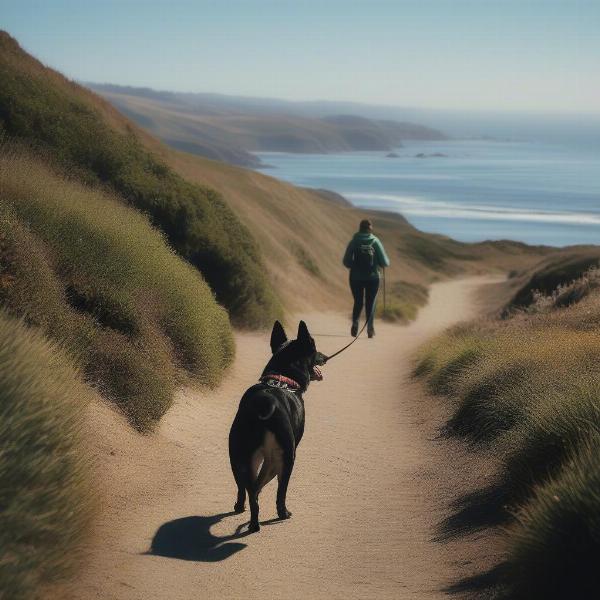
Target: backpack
364	256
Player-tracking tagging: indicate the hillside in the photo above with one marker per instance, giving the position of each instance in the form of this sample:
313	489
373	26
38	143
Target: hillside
93	296
86	138
523	392
524	285
302	234
230	131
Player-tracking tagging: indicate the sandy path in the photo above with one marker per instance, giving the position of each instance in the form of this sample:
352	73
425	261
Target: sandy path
368	486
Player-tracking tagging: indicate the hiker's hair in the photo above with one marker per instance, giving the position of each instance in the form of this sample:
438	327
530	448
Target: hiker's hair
365	226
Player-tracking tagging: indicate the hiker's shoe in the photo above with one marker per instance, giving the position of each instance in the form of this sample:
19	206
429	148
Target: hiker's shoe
371	332
354	329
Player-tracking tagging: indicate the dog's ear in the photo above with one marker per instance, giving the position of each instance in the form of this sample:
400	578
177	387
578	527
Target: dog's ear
303	335
278	336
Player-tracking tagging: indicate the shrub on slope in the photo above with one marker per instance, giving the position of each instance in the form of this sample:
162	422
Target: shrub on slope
530	386
552	273
567	294
39	106
94	275
403	301
45	495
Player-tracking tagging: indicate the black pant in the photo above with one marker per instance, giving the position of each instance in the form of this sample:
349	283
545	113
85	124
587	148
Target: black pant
367	289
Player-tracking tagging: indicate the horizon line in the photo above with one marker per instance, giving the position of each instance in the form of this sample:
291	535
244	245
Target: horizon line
522	111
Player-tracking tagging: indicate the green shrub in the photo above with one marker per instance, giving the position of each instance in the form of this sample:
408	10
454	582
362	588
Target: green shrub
402	302
396	312
62	120
94	275
45	478
306	260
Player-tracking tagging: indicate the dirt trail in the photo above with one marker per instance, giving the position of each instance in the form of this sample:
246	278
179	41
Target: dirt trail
369	485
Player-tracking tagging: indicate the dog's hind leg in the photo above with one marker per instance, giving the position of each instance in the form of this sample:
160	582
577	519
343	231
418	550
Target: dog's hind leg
254	508
238	459
265	476
283	478
240	475
252	488
272	461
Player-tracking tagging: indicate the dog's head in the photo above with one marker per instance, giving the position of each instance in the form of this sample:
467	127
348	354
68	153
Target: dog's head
297	359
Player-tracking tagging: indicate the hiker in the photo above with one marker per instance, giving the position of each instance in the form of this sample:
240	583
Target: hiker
364	256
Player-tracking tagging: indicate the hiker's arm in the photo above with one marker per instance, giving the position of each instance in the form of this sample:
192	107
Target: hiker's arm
348	255
382	257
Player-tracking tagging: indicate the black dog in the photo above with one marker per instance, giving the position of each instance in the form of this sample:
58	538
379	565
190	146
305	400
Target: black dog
270	420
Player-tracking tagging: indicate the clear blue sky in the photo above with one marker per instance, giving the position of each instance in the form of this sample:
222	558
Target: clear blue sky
483	54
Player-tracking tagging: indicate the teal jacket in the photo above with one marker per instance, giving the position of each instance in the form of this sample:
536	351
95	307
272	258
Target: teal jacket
381	258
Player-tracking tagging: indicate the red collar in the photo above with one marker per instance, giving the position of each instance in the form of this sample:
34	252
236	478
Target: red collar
283	381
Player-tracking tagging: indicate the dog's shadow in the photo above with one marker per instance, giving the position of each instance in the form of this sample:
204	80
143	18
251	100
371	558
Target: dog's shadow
190	538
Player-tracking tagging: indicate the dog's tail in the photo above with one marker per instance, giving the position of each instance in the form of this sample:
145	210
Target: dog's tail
266	408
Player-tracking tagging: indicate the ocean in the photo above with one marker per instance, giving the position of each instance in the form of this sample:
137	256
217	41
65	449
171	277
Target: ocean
471	190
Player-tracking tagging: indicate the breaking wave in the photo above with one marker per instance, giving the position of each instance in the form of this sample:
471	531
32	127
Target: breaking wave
451	210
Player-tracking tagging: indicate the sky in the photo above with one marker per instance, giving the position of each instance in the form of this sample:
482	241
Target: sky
532	55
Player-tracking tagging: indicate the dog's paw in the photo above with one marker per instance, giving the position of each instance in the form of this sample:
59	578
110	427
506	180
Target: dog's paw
284	513
239	508
253	528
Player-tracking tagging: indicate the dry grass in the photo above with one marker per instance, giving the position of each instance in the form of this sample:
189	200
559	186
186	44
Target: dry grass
553	546
529	388
45	479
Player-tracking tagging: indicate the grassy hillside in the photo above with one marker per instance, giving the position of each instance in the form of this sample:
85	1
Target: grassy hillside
79	265
92	274
83	136
299	235
230	132
527	388
297	228
46	486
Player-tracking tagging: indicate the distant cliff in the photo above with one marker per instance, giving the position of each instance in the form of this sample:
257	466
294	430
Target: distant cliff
230	129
